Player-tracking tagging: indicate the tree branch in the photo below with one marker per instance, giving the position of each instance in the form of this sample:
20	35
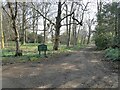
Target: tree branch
67	16
15	10
41	14
64	2
6	11
70	24
11	10
79	22
84	10
33	17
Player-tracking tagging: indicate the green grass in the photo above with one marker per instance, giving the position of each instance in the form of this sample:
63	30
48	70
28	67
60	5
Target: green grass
30	52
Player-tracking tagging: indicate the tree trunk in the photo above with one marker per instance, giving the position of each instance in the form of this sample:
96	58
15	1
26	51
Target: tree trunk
2	40
44	22
52	36
33	25
44	30
34	30
57	27
74	33
99	19
84	39
69	34
78	33
119	25
89	35
81	42
26	39
116	19
13	17
37	27
18	51
23	24
69	30
2	35
67	44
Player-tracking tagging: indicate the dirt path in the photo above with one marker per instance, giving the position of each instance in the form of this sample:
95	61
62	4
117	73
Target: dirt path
82	69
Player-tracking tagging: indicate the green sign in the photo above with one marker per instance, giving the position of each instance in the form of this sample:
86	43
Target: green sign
42	47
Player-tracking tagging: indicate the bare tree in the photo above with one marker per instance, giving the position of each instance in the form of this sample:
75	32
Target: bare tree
1	29
83	34
76	21
23	22
69	30
89	22
46	8
13	8
74	26
57	24
33	23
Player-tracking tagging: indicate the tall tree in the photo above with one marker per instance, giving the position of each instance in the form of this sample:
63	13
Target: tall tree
118	24
23	22
1	29
89	22
13	8
67	45
57	26
46	7
69	29
107	29
74	32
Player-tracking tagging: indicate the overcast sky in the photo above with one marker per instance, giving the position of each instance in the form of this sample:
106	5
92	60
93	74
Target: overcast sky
92	6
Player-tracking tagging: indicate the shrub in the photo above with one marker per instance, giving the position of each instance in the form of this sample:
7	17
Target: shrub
112	54
31	37
103	41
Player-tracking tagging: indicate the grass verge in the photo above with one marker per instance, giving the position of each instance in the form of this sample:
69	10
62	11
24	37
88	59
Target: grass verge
30	53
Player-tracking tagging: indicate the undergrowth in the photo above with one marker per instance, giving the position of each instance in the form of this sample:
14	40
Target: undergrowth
112	54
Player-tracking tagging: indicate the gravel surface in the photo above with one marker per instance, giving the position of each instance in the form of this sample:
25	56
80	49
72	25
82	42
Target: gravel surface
82	69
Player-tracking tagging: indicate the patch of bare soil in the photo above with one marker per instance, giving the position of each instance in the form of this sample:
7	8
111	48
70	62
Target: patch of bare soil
81	69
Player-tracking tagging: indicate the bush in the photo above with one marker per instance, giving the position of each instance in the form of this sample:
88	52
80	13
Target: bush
112	54
115	42
102	41
63	38
31	37
40	38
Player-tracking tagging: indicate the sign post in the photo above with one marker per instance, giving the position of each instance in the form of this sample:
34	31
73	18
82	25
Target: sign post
42	48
